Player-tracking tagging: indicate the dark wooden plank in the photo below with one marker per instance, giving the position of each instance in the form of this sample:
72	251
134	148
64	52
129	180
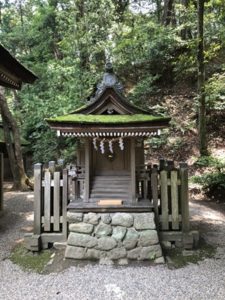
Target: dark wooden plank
155	196
184	197
47	201
174	201
37	198
164	200
56	201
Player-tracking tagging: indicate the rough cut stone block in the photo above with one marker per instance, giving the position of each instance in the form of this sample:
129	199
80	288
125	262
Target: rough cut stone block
106	218
148	238
122	262
119	232
106	261
74	217
117	253
103	230
144	221
106	243
75	252
131	238
82	240
150	253
91	218
134	253
81	227
122	219
92	254
159	260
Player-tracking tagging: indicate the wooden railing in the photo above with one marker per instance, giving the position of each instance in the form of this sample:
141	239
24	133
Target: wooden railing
167	188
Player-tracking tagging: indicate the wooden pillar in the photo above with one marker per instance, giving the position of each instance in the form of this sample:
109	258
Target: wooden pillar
133	170
87	171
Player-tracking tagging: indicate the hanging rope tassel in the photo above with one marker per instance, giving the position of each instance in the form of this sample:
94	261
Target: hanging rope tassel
121	144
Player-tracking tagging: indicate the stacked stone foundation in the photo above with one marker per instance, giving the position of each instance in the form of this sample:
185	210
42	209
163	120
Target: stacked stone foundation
113	236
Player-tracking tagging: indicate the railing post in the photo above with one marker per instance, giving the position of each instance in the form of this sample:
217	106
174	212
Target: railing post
1	180
51	166
65	202
37	198
155	196
184	197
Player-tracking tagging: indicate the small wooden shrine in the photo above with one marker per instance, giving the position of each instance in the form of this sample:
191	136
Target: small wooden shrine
111	131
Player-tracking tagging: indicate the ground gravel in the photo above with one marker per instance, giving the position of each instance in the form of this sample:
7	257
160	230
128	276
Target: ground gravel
205	280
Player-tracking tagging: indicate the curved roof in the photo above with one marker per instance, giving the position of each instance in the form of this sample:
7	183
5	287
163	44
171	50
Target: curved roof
13	73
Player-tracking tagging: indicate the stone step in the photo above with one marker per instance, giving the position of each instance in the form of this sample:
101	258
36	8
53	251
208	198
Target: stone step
102	190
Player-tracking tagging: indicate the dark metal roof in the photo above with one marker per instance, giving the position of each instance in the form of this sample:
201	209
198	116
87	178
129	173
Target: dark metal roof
13	73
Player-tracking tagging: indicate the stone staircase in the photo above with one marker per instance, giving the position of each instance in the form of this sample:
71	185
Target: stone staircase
110	187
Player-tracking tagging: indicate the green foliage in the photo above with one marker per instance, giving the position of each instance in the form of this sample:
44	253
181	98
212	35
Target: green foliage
215	180
211	181
66	44
209	161
144	88
215	91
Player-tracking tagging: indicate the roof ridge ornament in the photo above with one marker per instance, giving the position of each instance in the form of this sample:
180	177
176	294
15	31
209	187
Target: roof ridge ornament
109	80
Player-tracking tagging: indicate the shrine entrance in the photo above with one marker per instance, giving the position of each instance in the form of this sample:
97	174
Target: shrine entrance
114	162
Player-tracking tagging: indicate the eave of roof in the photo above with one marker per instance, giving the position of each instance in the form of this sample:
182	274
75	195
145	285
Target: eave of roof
13	73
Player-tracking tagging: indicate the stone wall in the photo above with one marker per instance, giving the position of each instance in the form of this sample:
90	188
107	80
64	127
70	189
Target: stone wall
114	236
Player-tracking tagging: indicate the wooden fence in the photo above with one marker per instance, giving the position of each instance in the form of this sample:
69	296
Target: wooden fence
1	181
50	206
164	185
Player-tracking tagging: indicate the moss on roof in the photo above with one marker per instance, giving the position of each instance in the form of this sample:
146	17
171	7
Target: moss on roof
107	119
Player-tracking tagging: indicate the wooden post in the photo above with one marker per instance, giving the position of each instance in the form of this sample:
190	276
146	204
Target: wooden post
1	180
184	197
87	171
56	201
174	200
51	166
162	164
47	202
164	200
155	196
37	198
65	202
170	165
133	170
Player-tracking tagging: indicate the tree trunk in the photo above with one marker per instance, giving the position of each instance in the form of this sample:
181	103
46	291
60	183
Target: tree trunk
201	81
168	13
21	181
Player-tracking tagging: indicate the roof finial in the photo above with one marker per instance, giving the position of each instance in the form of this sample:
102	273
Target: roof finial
108	66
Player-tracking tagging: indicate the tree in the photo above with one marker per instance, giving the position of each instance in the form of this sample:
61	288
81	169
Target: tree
201	81
13	144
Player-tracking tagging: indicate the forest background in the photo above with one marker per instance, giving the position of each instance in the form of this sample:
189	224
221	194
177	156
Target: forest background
153	46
